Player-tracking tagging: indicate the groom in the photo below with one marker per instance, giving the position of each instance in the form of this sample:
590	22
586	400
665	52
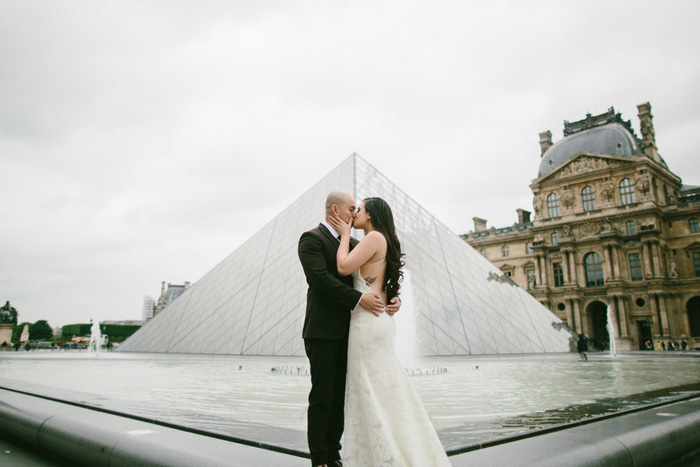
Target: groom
329	300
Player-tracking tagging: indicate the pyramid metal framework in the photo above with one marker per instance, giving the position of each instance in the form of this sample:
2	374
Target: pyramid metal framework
253	302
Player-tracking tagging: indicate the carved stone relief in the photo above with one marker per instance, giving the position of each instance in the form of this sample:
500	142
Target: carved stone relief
643	183
537	204
567	200
566	232
607	192
583	165
608	226
628	246
589	229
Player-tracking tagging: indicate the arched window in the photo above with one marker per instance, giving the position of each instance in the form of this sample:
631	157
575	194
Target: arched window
588	198
626	191
553	205
594	270
505	251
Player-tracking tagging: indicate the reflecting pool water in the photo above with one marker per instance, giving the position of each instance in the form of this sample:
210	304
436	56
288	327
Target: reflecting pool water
264	398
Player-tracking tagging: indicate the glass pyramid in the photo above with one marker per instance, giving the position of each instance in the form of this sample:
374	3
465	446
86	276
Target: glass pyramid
253	302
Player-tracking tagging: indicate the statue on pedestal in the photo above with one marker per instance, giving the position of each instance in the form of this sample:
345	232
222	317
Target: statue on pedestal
674	270
6	325
5	314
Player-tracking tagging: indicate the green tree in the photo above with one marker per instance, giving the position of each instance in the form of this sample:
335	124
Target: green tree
17	331
114	332
118	332
72	330
40	330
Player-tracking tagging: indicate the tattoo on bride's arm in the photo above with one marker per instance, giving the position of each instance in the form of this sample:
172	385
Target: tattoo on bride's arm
370	280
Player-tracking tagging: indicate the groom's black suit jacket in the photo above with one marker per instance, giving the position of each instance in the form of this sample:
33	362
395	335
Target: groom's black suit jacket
330	297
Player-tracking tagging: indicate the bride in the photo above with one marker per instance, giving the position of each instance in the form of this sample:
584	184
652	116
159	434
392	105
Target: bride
385	422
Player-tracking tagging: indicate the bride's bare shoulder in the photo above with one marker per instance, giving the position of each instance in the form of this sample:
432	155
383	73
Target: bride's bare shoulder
374	235
375	238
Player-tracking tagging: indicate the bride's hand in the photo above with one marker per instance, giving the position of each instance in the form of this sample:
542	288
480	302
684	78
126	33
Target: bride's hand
340	225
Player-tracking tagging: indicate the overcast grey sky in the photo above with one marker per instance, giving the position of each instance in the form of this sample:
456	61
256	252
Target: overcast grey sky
143	141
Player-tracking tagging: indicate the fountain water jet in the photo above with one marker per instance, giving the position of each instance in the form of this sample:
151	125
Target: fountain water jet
610	326
406	336
95	338
406	339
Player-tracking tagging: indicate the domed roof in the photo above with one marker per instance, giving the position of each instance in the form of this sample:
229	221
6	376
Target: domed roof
613	139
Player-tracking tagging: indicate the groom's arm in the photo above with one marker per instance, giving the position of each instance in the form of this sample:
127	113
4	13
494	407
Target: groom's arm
317	274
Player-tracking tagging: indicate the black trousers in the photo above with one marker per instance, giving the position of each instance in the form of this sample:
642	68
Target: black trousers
329	361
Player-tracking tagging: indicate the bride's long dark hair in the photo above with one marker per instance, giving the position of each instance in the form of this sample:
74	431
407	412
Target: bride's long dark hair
383	221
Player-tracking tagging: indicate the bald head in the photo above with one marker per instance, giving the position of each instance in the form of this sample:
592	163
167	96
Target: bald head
334	197
341	203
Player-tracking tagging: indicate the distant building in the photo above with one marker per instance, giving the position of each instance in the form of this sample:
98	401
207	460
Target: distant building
613	226
169	295
149	308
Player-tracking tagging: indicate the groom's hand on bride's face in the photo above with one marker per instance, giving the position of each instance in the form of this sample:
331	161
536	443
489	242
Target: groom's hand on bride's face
372	303
339	224
393	306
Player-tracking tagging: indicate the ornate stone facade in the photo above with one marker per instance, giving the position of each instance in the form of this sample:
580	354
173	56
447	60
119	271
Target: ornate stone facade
168	295
616	230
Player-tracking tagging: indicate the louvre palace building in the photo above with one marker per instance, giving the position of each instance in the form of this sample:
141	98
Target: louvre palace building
613	230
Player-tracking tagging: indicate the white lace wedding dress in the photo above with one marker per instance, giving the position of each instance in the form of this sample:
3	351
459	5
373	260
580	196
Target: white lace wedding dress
385	422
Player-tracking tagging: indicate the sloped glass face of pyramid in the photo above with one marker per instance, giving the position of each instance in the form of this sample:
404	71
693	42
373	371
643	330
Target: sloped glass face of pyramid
254	301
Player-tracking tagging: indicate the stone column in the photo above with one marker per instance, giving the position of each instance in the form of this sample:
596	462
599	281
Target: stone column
577	316
661	326
543	270
654	247
616	260
608	264
664	314
570	313
538	272
565	265
684	314
573	267
646	263
620	301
